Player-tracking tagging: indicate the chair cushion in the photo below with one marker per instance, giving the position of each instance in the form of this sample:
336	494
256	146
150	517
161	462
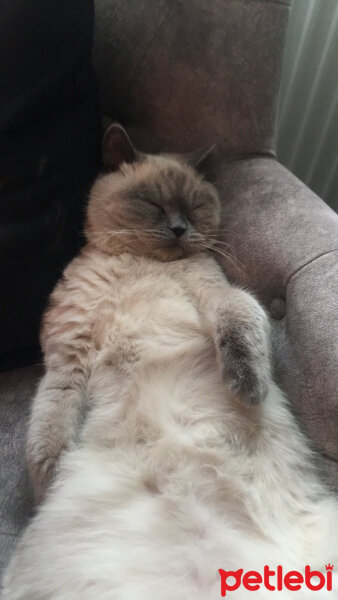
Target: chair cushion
17	388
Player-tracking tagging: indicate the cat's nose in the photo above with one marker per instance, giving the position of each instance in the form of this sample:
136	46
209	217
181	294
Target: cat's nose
179	230
178	225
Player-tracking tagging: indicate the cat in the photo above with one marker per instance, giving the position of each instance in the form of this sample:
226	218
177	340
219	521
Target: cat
160	448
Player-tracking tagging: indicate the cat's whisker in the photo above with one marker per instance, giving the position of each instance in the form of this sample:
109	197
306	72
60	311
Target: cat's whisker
220	243
213	241
232	259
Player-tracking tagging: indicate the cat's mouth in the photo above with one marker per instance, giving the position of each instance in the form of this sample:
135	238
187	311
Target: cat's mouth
172	249
167	248
181	246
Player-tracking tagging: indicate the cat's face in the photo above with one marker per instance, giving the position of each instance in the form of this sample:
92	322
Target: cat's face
156	206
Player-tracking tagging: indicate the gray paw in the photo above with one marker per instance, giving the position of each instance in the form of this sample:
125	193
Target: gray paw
244	362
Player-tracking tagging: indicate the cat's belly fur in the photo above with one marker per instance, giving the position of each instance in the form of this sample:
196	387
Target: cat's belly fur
173	478
157	516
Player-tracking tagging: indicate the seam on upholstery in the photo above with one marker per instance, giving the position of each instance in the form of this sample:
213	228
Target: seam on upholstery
281	2
325	455
299	269
230	159
250	155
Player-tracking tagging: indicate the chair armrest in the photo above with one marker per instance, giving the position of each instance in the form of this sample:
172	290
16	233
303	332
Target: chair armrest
286	240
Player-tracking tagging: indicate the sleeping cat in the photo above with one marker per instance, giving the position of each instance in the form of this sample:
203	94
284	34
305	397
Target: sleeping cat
159	447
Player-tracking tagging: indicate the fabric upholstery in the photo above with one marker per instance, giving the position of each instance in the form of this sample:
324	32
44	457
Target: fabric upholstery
16	390
184	74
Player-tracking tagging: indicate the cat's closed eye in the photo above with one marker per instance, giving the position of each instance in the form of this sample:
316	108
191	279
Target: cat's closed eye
151	203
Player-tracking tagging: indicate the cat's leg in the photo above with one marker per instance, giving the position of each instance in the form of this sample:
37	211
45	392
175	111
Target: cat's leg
55	416
242	339
238	324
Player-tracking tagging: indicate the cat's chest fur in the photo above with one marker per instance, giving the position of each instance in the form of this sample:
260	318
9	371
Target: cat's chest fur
152	360
139	311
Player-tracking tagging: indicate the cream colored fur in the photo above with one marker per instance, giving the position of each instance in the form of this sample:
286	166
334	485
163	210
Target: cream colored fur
161	473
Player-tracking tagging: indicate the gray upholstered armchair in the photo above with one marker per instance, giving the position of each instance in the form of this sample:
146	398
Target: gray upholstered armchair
180	74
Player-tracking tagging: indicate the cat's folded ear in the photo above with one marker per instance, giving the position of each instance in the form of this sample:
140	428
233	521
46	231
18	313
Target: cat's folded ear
198	157
117	148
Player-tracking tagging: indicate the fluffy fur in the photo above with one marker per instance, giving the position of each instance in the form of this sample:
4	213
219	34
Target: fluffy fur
159	442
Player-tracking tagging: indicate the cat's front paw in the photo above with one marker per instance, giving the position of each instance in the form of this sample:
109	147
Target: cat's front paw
243	355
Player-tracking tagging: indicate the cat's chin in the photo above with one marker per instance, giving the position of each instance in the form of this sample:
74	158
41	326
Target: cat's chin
172	252
168	255
163	254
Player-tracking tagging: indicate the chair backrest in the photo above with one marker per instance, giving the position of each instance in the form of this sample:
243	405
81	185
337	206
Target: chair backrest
181	74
